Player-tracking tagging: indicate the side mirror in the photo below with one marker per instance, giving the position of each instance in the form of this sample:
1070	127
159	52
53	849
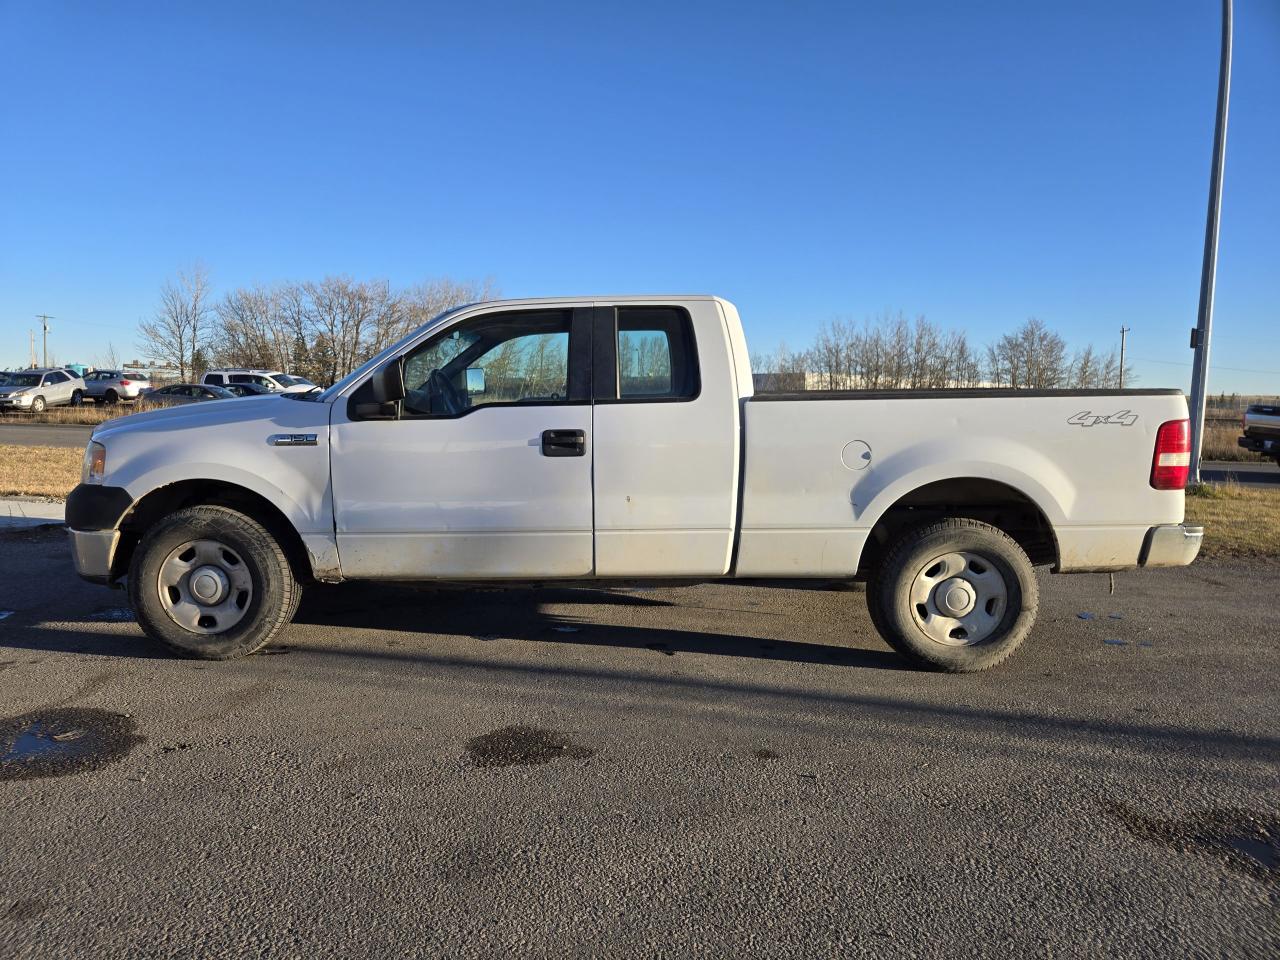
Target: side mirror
475	381
387	383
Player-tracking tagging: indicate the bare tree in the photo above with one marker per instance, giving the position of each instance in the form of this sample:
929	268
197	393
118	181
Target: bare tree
1032	357
180	328
109	359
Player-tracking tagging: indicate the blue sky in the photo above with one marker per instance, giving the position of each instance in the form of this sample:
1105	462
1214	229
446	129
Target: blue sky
976	163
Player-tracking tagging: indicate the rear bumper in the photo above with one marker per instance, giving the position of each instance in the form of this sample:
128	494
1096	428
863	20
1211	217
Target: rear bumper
1267	445
1171	545
93	551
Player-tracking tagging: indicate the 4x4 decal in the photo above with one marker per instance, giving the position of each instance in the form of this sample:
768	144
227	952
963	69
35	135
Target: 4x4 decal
1086	418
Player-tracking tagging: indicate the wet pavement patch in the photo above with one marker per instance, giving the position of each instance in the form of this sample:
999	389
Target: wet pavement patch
112	615
523	746
26	909
36	533
54	743
1244	840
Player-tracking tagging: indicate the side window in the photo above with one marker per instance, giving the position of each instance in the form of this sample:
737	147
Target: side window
56	377
240	378
504	359
657	358
214	378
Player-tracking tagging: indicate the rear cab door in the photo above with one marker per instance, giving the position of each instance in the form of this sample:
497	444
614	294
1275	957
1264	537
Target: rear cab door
666	438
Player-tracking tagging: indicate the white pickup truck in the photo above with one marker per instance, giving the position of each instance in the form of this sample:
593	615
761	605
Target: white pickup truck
618	438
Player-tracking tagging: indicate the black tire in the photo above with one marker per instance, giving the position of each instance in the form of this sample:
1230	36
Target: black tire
111	397
895	616
77	397
37	405
275	589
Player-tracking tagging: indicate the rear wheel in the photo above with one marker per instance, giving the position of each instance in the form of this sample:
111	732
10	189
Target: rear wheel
957	595
213	583
77	397
111	397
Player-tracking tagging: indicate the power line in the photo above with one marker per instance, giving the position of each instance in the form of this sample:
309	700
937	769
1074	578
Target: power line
1182	363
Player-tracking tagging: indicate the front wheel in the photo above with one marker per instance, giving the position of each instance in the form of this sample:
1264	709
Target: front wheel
213	583
957	595
37	405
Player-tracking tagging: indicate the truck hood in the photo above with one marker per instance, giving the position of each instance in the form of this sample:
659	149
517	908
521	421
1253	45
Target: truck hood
213	413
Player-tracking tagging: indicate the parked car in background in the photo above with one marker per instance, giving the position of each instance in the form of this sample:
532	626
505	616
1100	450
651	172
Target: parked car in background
112	386
1261	425
247	389
35	390
178	394
273	380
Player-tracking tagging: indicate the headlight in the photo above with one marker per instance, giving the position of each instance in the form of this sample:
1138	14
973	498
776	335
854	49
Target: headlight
95	463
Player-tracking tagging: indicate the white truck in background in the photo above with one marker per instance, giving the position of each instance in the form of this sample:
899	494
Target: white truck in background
613	438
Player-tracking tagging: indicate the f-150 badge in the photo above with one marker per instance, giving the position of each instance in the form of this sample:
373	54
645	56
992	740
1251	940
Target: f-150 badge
1086	418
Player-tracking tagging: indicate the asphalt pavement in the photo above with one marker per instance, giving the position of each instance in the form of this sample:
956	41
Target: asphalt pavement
45	434
710	770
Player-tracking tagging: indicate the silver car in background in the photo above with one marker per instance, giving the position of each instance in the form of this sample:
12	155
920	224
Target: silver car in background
113	386
37	390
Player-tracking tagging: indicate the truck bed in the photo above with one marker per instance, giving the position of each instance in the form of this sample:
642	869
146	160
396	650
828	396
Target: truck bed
821	468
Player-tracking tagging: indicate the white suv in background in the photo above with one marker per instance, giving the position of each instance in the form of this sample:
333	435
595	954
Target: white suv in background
36	390
273	380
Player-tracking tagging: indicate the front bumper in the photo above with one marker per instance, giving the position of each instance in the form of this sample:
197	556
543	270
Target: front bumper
15	402
1171	545
93	552
93	515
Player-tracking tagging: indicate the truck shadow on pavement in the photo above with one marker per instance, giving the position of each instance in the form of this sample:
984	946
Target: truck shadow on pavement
517	613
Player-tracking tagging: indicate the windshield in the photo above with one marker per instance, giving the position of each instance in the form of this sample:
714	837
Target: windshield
289	380
222	393
373	361
24	380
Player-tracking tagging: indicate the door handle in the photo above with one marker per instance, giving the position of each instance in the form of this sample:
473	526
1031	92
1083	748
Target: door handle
564	443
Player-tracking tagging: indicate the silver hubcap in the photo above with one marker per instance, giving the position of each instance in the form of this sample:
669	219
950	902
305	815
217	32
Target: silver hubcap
204	586
958	598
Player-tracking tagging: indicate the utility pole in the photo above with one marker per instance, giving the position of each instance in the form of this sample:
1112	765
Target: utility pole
31	335
44	319
1123	331
1209	268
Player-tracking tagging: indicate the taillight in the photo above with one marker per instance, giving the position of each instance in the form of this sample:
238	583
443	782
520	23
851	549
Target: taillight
1172	459
126	383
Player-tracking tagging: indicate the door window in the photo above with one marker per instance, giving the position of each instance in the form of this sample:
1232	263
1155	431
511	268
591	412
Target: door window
214	378
56	377
506	359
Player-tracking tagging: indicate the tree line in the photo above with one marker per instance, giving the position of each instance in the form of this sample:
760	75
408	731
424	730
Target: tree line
892	352
324	329
319	329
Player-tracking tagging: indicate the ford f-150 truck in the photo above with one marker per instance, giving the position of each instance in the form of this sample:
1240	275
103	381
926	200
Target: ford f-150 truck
618	438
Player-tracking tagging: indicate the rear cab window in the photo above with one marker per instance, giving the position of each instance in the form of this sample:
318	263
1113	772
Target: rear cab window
645	354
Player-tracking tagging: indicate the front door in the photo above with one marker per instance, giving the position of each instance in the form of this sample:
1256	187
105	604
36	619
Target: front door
484	469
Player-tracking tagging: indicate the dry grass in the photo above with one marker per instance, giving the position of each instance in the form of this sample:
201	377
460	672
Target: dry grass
90	414
1220	443
38	471
1239	521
